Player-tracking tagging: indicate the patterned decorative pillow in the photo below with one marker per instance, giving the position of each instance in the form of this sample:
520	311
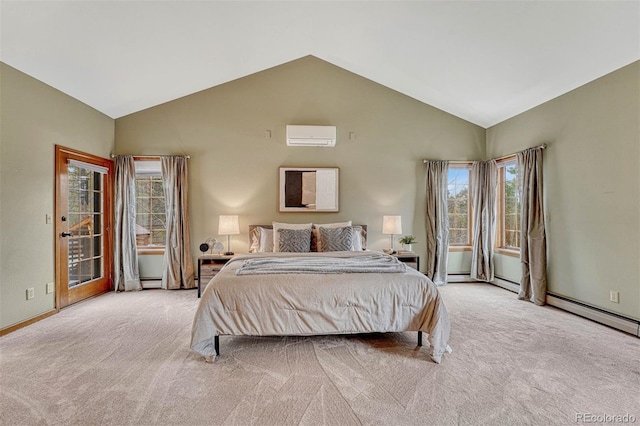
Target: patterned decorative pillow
336	239
294	240
316	239
279	225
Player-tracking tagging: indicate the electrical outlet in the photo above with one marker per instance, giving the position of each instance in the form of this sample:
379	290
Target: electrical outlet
614	296
31	293
50	287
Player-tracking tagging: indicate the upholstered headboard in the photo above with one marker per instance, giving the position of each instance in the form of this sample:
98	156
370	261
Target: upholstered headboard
253	234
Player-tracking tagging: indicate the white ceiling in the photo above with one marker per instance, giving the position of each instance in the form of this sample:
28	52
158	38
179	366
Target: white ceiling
479	60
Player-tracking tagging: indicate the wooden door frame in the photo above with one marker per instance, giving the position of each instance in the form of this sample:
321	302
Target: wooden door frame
61	199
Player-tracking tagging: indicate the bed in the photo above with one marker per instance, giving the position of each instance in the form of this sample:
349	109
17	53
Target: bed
319	293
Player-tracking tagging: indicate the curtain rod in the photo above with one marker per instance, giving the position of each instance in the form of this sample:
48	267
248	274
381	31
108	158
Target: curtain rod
154	156
543	146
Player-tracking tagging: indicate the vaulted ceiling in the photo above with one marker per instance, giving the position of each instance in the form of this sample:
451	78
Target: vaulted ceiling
483	61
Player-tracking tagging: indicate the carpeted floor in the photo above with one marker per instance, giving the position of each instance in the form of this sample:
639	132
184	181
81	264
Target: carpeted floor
124	359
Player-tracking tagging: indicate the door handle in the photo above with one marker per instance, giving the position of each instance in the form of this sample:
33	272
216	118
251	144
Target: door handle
65	234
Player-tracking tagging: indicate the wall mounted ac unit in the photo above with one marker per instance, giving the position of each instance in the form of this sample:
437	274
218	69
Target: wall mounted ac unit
311	136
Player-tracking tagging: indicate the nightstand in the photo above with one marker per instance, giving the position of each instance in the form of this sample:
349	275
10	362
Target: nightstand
208	266
411	259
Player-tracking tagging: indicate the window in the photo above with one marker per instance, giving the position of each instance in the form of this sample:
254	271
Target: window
508	235
150	209
86	200
458	206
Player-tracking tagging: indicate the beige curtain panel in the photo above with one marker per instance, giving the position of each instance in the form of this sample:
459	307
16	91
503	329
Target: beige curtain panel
178	267
437	221
533	241
125	257
484	183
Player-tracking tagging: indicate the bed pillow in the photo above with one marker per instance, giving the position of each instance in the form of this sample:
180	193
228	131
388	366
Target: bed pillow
254	238
261	240
294	240
279	225
359	238
336	239
316	240
266	240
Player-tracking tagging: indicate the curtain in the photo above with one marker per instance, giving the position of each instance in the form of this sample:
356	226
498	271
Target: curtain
484	183
533	244
178	266
125	258
437	221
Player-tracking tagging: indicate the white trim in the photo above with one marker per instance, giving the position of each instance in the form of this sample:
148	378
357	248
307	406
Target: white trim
88	166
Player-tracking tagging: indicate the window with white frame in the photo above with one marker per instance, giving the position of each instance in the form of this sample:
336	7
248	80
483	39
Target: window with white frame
508	232
150	208
458	204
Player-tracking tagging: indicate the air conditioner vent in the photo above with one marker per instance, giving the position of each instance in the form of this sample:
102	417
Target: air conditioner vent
298	135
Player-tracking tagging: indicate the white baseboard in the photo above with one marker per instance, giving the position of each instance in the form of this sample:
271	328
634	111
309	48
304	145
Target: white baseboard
577	308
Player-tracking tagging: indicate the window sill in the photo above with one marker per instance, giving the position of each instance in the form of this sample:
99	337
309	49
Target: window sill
459	248
508	252
150	250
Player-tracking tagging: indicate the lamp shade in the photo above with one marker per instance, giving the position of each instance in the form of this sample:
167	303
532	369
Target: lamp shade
392	225
228	225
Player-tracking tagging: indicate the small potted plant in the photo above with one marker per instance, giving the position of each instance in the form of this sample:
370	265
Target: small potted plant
407	241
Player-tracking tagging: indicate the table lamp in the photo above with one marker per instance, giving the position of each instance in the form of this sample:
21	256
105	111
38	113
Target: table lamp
392	225
228	225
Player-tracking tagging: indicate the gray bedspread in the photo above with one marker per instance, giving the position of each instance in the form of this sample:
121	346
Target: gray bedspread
285	304
371	263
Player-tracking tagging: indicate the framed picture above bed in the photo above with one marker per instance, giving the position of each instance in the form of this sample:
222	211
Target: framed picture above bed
309	189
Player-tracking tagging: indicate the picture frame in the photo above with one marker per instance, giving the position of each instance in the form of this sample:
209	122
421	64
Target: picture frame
309	189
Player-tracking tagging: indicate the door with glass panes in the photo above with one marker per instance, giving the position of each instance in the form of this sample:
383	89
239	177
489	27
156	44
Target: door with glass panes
83	219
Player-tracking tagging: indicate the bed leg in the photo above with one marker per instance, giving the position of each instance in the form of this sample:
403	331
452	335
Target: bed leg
216	344
419	338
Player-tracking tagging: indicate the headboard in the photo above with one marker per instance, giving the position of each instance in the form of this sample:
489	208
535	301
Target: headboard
253	232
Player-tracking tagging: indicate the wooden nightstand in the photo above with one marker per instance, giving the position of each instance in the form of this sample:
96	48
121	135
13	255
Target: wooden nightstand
411	259
208	266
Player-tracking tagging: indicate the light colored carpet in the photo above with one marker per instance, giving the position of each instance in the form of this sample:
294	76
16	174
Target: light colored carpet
124	359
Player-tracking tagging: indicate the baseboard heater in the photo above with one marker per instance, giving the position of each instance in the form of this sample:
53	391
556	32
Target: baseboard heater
460	278
148	283
619	322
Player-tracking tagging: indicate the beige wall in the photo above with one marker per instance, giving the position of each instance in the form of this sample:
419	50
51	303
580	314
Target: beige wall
234	168
593	215
35	117
592	187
